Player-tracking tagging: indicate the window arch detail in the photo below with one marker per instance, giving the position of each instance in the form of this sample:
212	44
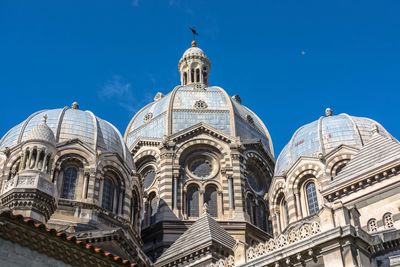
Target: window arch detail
372	225
211	198
107	201
388	220
192	201
69	183
312	198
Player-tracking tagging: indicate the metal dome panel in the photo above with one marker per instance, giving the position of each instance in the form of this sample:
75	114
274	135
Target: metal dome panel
189	105
324	135
70	124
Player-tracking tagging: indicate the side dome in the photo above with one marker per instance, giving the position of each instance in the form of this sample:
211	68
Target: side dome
42	132
320	137
67	124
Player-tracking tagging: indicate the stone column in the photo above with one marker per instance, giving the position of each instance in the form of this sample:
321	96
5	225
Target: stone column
299	206
121	202
175	193
85	185
44	162
29	159
220	204
230	193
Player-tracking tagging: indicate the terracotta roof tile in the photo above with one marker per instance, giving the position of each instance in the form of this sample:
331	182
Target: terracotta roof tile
61	235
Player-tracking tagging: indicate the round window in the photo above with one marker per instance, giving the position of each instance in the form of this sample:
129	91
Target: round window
255	179
202	167
148	177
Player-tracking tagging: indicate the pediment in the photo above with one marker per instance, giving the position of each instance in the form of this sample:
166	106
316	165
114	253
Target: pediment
201	128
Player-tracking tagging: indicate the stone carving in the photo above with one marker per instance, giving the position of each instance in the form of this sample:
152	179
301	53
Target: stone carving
227	262
303	232
147	117
200	104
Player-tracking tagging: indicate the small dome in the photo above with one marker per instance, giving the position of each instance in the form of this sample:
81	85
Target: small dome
193	56
194	51
42	132
320	137
67	124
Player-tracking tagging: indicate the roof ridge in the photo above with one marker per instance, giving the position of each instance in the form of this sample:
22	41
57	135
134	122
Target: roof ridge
377	151
205	229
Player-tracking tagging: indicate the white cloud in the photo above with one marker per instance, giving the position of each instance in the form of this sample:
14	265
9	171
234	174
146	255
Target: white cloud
119	91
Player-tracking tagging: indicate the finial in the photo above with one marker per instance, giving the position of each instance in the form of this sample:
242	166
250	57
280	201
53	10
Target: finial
158	96
45	118
328	112
375	129
205	208
194	32
237	99
75	105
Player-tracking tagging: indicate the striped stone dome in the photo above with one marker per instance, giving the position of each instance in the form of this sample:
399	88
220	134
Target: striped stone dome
66	124
320	137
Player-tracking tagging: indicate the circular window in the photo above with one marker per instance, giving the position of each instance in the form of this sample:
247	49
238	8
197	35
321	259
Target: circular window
148	177
256	180
202	167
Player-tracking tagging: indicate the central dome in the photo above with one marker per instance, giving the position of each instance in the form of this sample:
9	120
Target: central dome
195	102
187	106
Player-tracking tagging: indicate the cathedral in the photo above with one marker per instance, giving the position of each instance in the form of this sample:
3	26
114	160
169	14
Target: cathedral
195	181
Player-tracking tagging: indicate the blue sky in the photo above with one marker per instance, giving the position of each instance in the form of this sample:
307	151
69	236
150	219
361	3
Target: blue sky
114	56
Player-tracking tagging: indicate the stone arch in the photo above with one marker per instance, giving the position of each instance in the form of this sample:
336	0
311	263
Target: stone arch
65	161
276	190
152	152
255	160
304	168
204	142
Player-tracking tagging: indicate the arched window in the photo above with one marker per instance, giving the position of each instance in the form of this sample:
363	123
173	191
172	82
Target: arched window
210	197
249	207
192	75
149	174
372	225
108	194
388	220
262	220
197	75
153	207
185	78
134	208
192	201
205	75
69	183
312	200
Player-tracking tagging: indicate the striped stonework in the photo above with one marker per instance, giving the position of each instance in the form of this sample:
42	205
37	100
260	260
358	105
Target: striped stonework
172	160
